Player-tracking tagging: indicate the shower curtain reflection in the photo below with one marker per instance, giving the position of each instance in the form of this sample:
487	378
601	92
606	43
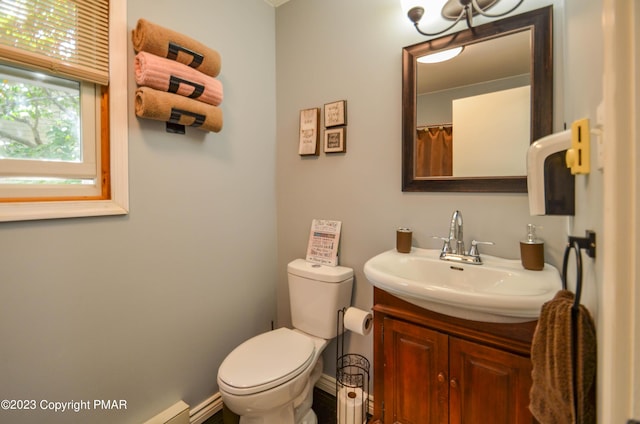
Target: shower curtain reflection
434	151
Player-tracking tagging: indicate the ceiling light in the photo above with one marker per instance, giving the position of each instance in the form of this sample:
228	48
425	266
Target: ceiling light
454	10
441	56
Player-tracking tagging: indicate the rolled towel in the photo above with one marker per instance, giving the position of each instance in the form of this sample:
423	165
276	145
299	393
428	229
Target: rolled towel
163	42
168	75
169	107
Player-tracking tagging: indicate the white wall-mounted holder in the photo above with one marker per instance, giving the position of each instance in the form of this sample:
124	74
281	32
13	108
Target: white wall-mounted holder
550	184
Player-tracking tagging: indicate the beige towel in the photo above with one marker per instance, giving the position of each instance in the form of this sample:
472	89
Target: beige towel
162	106
163	42
552	392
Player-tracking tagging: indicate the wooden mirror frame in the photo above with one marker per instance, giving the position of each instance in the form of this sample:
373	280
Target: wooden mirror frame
540	22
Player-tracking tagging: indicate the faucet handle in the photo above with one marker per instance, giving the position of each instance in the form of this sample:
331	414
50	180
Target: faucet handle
446	247
474	247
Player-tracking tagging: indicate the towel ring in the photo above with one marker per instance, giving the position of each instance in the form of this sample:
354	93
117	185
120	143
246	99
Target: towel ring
588	243
576	243
573	245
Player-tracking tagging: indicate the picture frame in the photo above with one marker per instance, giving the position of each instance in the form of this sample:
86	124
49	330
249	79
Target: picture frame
335	140
335	114
309	143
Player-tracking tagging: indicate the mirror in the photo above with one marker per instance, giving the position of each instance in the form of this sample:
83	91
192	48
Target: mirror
467	123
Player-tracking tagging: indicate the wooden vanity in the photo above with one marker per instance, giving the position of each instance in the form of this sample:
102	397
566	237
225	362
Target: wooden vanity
431	368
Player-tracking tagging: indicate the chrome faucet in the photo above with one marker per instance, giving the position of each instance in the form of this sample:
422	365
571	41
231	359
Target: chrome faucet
453	248
456	240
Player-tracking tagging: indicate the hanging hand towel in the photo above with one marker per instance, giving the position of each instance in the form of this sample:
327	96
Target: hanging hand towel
163	42
168	75
169	107
552	392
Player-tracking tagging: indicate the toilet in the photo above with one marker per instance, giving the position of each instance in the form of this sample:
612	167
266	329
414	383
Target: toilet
269	378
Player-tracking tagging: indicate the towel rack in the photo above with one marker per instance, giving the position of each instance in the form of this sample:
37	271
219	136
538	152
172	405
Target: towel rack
587	243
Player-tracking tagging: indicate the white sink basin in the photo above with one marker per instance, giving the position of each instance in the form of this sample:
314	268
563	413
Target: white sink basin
499	290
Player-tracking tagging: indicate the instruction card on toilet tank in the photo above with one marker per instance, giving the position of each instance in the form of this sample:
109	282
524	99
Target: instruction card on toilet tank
324	239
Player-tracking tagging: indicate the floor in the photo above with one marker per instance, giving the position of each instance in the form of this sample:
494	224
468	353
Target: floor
324	406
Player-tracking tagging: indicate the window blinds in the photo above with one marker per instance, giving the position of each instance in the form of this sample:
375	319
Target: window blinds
65	37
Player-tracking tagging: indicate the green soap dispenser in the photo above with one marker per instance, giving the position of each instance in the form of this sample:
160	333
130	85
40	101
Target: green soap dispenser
532	250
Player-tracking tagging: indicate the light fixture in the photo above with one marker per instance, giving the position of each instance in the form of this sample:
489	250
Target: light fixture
456	10
441	56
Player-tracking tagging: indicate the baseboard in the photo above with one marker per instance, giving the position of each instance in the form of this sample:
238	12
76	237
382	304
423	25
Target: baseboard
175	414
327	384
205	410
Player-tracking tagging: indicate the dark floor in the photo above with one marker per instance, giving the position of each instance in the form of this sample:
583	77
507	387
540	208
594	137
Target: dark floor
324	406
216	419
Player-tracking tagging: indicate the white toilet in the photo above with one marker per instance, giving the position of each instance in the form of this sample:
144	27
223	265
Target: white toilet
269	378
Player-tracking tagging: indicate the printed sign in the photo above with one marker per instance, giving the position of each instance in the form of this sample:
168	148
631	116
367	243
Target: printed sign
324	239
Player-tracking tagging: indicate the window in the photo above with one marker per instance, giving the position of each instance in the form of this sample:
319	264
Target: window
49	131
63	134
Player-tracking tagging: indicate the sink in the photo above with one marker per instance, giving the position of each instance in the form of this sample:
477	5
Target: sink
499	290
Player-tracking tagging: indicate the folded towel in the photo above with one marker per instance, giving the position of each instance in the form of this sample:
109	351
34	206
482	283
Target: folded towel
169	107
552	392
152	38
168	75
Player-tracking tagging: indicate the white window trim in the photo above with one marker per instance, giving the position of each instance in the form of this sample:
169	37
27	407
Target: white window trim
119	144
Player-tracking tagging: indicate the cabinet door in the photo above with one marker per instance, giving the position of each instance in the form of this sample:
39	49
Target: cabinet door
416	374
488	385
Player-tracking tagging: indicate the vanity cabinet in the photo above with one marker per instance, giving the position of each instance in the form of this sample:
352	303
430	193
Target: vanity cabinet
435	369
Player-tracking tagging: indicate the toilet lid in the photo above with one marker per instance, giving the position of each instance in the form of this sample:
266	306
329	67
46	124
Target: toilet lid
269	359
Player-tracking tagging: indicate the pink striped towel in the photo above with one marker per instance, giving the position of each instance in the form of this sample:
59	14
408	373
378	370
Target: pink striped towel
168	75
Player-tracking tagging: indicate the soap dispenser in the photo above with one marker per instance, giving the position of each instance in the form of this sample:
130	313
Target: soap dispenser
532	250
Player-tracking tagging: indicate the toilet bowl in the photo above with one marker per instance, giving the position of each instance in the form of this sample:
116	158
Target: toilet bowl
269	378
262	378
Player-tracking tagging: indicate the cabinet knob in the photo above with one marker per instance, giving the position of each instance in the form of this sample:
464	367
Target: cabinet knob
453	383
441	377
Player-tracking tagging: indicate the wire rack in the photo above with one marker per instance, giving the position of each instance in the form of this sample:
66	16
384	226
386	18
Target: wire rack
352	382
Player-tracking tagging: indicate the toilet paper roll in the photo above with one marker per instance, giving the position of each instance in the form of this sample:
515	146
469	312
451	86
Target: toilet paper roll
358	321
351	401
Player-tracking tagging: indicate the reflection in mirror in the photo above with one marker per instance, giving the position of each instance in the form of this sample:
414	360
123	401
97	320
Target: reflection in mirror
468	121
473	107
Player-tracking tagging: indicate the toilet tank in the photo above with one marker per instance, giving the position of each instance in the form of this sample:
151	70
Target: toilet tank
316	293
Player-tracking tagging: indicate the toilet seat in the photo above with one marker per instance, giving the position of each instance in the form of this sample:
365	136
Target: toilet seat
266	361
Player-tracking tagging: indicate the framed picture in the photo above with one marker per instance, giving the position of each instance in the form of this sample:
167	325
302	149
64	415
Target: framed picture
309	132
335	114
335	140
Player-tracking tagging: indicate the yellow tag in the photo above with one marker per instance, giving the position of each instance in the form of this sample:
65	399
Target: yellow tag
578	157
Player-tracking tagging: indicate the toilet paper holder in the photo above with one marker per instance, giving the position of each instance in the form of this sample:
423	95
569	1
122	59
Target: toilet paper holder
352	381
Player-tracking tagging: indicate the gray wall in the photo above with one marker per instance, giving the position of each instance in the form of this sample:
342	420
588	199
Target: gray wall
333	49
144	307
